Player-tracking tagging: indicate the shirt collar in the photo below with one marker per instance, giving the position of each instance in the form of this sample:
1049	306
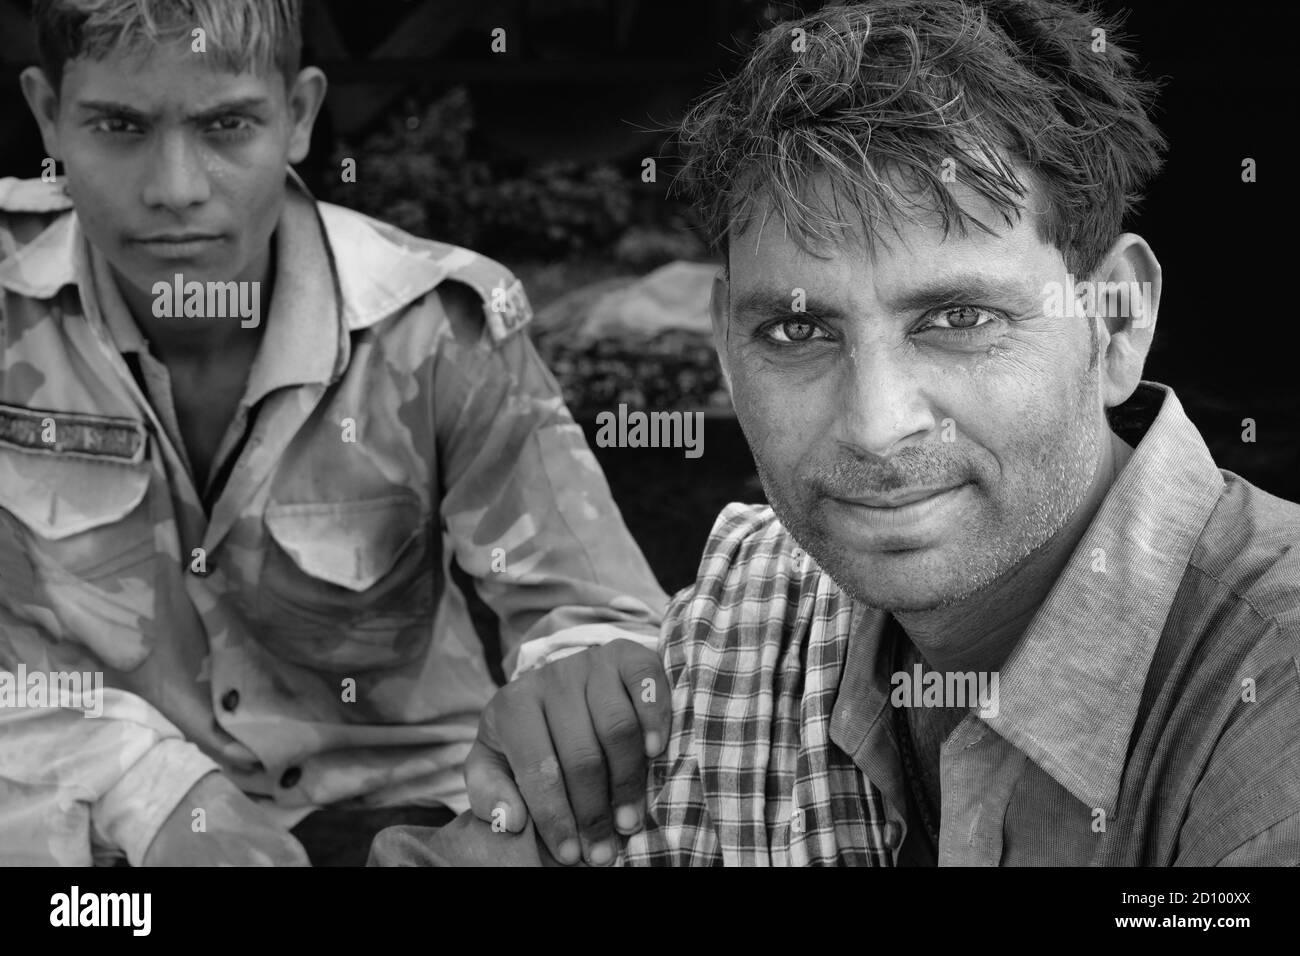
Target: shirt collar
45	265
1069	693
320	296
306	339
107	298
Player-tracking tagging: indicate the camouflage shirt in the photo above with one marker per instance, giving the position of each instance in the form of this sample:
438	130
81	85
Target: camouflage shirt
302	632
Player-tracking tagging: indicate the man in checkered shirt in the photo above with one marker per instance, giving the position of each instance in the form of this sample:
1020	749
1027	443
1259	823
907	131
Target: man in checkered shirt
1004	608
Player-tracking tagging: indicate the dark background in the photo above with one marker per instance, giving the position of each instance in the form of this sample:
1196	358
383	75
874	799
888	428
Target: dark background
534	157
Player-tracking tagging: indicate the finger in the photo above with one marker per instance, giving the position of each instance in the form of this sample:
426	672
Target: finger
618	728
525	739
586	777
493	796
647	686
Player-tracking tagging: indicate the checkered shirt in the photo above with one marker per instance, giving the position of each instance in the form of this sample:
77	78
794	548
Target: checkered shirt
754	651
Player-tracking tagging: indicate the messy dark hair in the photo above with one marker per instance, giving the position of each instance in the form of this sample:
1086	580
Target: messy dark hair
262	35
883	94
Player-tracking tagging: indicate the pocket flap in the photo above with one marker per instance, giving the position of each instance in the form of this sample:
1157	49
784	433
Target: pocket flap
351	544
58	496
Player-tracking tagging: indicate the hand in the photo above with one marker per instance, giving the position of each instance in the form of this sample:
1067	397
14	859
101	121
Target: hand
237	832
567	744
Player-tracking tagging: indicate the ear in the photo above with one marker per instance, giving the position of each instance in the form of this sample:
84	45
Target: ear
720	312
43	101
305	100
1128	281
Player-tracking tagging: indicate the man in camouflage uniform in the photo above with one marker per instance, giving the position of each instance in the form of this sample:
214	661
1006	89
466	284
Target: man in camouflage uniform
249	527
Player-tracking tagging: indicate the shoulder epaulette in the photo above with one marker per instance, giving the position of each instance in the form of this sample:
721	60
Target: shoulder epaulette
505	304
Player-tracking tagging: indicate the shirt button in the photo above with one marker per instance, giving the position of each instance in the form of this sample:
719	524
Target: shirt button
290	777
230	699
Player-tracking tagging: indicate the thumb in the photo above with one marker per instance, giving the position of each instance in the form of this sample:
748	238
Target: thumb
493	796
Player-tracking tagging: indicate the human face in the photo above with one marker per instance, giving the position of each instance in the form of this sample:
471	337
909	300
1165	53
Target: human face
926	424
174	165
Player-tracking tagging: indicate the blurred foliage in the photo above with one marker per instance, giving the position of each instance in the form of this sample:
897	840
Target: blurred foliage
560	226
674	370
418	173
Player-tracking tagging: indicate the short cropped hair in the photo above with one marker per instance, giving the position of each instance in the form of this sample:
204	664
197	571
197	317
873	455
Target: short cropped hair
932	90
240	35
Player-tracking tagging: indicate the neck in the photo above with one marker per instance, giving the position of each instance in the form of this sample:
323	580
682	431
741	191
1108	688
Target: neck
198	340
980	633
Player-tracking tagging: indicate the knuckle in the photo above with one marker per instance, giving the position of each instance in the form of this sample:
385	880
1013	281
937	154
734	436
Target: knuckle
633	650
551	818
543	774
621	730
644	670
523	687
503	704
557	678
493	724
552	822
628	786
553	825
584	763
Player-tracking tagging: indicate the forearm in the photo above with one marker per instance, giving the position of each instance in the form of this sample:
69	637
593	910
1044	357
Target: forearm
72	785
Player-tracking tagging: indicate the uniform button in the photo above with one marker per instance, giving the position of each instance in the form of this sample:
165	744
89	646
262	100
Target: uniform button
230	699
290	777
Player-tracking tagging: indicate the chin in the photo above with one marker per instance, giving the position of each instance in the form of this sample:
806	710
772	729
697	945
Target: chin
886	595
893	581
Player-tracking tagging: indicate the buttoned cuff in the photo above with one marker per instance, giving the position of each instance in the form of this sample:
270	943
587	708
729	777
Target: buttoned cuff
130	815
541	651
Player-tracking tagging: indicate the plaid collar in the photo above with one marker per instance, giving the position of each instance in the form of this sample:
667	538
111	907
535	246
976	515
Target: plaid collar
754	653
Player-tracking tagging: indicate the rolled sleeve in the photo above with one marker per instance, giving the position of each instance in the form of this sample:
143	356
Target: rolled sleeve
130	814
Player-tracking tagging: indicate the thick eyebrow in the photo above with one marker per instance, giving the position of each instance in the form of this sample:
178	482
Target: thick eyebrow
236	105
771	302
960	289
948	291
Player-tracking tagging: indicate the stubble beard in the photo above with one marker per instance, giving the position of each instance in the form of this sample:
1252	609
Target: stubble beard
1005	538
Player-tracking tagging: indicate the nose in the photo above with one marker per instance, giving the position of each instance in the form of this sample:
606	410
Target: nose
176	176
883	407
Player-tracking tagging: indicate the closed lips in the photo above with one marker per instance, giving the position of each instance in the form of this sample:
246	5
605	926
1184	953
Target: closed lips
898	499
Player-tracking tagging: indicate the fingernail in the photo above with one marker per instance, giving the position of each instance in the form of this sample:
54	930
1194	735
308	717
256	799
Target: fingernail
627	819
652	744
570	852
602	854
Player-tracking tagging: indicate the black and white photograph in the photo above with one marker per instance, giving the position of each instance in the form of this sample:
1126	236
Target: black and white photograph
613	433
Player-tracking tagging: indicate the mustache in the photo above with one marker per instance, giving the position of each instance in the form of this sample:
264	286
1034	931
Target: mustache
857	477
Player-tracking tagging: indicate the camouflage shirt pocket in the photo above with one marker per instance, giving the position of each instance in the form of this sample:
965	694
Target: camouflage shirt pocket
348	584
90	546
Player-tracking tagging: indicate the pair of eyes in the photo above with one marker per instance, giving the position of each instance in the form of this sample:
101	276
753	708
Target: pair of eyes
963	320
118	125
